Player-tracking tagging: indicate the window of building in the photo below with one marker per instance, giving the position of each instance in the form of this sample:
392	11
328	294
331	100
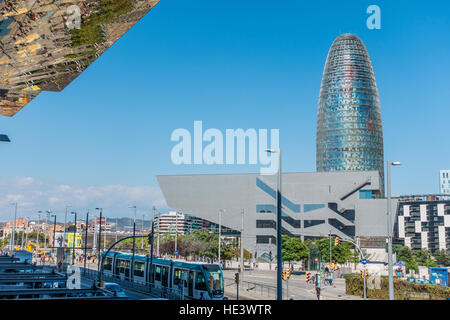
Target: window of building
266	239
265	224
310	223
365	194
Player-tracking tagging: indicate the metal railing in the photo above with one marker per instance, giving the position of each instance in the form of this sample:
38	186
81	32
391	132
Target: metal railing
147	288
259	289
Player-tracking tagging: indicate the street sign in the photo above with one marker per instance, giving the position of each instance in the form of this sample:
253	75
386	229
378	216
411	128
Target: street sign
176	252
364	261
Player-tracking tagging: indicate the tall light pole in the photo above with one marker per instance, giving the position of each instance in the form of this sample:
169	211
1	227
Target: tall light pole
242	244
134	242
99	240
157	241
65	219
47	229
220	229
94	239
54	229
21	243
151	246
47	212
142	231
26	236
389	229
74	238
13	239
37	232
86	240
279	257
330	248
176	234
104	234
117	224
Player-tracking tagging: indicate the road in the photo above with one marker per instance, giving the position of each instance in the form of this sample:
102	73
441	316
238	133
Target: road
262	285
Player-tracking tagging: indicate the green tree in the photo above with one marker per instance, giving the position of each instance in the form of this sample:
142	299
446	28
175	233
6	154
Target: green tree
424	258
340	253
442	258
406	255
293	249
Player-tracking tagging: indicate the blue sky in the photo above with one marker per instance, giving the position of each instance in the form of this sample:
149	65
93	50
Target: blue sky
246	64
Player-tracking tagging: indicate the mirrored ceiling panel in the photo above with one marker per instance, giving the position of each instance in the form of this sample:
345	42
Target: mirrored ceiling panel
45	44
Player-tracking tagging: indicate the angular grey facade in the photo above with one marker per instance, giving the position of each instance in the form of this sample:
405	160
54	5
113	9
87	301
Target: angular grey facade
313	204
349	128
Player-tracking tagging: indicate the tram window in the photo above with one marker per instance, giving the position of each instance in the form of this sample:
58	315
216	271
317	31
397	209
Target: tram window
177	276
165	276
214	271
200	282
139	269
157	273
108	264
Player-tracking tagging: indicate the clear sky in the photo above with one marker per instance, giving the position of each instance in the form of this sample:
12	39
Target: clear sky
243	64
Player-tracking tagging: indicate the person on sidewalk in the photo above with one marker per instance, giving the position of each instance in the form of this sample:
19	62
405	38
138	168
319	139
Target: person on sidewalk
318	292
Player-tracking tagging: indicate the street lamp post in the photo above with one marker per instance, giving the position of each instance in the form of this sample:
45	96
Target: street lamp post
389	229
330	247
134	242
46	229
142	231
151	247
220	230
37	232
65	220
176	234
117	224
279	257
74	238
157	240
47	212
13	239
86	240
54	229
26	235
99	239
21	242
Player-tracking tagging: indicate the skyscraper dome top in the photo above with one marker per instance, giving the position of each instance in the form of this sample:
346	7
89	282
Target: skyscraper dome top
349	128
348	36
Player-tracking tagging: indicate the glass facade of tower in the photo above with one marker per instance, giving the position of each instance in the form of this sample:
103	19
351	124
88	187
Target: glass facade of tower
349	129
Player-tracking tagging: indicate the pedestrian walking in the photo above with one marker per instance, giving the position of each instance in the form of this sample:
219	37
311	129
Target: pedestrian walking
318	293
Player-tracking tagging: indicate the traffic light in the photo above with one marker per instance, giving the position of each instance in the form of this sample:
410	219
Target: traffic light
283	275
236	277
337	241
308	276
361	274
288	273
211	283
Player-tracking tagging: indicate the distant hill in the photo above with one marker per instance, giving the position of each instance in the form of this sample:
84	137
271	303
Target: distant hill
127	223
